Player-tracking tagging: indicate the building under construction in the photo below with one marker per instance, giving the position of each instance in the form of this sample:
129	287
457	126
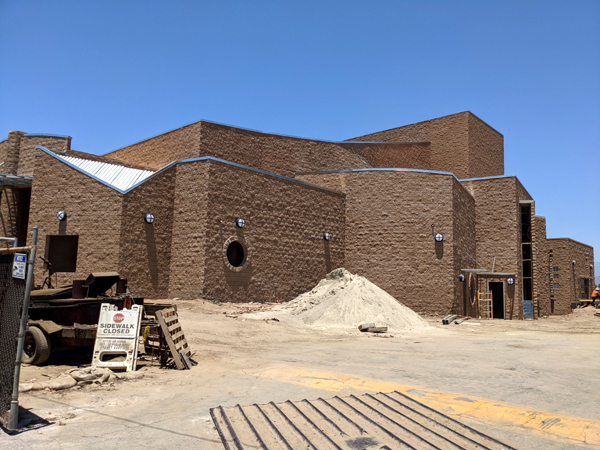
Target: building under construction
211	211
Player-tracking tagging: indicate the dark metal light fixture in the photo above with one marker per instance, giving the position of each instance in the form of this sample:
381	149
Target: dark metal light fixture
326	236
240	222
511	281
61	215
439	237
461	278
149	218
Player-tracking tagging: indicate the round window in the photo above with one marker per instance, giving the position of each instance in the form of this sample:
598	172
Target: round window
236	254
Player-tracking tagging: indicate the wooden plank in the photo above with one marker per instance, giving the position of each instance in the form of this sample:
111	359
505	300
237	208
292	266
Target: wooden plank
174	327
170	343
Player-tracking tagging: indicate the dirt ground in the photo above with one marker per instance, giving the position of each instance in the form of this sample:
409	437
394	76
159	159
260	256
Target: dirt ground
531	384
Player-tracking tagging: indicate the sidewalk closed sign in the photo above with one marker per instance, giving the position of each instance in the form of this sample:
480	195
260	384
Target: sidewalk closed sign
20	266
117	337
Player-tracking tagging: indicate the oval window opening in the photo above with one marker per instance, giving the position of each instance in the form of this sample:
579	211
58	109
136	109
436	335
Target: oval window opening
236	254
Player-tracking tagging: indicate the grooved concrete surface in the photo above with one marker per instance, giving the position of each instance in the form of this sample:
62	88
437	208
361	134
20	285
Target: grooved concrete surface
532	385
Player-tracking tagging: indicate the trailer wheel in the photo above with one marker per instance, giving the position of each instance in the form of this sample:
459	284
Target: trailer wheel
36	348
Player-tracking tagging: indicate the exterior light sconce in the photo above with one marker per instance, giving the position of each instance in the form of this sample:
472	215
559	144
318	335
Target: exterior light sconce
327	236
461	278
591	267
574	262
439	237
149	218
240	222
61	215
511	281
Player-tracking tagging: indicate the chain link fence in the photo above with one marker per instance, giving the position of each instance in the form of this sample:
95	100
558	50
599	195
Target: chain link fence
12	292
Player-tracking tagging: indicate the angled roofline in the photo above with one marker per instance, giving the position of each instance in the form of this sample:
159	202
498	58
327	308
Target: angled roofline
491	178
261	132
570	239
47	135
181	161
431	120
379	169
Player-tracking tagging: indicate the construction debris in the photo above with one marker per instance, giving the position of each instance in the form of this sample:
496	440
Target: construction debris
448	319
78	377
461	320
371	328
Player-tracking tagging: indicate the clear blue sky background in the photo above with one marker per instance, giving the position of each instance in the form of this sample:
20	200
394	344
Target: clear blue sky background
110	73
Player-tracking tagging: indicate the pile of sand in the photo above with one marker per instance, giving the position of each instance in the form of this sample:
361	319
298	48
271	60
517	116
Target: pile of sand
344	300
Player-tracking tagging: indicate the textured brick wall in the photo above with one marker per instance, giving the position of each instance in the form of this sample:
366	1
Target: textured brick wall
498	231
563	252
189	231
486	149
9	152
272	153
28	152
14	214
285	222
409	156
460	143
541	291
145	249
464	233
276	154
389	236
160	150
93	213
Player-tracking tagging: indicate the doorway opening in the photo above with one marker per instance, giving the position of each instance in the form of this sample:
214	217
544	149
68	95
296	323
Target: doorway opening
497	290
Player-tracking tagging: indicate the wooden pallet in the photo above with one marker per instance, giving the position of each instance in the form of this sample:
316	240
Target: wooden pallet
176	341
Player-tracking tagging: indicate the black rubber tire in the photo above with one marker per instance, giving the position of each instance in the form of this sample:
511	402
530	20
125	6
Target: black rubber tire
36	348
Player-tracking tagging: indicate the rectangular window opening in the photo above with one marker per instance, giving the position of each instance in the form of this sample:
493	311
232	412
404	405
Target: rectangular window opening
61	251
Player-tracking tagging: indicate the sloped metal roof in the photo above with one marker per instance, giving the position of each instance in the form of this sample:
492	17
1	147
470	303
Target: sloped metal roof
15	180
120	177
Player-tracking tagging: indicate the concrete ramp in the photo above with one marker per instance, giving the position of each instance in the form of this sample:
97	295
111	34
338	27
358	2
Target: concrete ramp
369	422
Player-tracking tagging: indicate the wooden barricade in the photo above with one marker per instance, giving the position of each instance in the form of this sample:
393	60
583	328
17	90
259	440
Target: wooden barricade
174	337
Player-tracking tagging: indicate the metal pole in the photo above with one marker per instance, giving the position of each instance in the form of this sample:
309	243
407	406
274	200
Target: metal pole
13	417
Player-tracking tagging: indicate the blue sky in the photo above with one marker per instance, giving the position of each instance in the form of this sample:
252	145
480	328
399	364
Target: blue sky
110	73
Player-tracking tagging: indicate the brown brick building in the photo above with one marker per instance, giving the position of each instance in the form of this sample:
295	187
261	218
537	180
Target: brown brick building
208	210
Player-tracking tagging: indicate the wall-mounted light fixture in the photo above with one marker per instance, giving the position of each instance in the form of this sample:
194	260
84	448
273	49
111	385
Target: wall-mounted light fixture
149	218
326	236
574	262
240	222
591	267
511	281
439	237
461	278
61	215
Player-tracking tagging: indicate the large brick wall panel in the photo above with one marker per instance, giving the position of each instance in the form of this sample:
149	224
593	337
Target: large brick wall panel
285	222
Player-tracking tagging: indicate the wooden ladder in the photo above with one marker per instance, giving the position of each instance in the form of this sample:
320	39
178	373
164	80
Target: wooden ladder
484	300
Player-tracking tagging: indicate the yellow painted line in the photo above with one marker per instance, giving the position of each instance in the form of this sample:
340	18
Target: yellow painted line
557	427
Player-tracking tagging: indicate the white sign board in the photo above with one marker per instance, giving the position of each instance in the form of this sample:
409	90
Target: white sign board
117	337
20	266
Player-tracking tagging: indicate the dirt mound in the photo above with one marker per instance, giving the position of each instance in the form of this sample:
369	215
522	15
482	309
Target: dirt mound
344	300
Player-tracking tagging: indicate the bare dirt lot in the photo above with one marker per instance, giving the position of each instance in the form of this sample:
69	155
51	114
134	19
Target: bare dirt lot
531	384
